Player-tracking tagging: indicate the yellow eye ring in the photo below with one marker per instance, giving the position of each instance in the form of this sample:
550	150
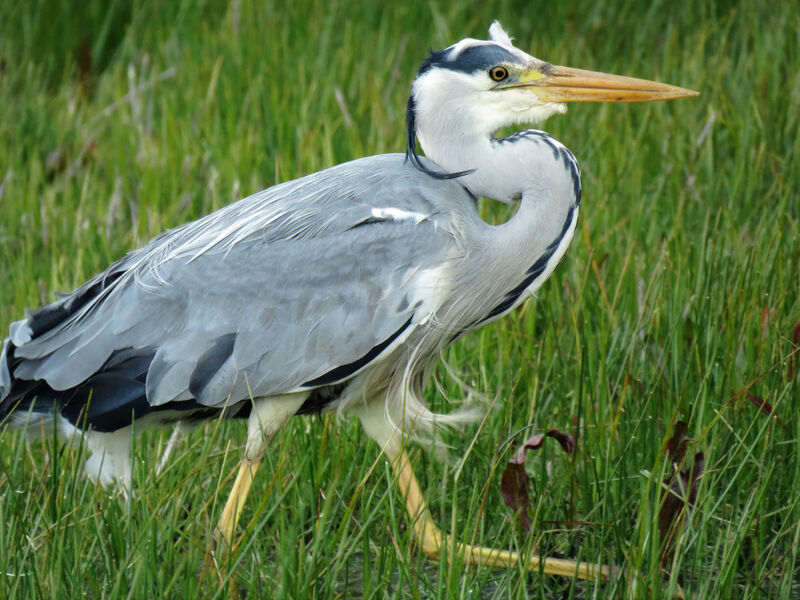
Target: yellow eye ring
498	73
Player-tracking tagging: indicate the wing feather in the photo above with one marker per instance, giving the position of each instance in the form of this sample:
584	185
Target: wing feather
300	285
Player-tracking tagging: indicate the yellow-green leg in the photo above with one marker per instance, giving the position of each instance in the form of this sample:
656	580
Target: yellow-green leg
433	540
228	522
266	418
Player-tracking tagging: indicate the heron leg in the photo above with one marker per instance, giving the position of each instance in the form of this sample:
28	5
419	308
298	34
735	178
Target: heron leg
433	541
266	418
226	528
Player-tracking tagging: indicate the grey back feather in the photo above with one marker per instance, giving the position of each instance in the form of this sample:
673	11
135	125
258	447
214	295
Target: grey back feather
263	296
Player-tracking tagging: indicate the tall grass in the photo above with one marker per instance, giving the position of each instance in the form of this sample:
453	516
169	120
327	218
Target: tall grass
677	300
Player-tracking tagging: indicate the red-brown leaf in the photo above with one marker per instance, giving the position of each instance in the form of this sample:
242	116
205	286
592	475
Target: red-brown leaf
532	443
676	445
514	488
515	485
766	408
760	404
679	493
566	440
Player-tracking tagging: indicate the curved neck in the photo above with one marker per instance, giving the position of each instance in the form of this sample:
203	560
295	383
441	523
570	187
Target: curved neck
520	254
529	166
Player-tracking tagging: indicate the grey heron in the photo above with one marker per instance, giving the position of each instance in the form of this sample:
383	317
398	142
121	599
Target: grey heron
336	291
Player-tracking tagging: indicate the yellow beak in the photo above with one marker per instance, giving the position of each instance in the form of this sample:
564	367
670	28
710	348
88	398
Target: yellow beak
565	84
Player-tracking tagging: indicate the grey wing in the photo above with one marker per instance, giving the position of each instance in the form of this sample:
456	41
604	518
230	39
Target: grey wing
262	313
308	316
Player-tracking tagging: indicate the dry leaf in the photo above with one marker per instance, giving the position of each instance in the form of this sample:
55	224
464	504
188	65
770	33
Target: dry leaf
515	484
766	408
679	493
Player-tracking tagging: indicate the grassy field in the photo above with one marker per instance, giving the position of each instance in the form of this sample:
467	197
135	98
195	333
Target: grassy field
677	301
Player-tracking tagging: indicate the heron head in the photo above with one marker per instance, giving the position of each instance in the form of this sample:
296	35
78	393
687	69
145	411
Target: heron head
475	87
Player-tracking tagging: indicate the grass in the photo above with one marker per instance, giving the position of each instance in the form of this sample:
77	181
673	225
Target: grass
677	300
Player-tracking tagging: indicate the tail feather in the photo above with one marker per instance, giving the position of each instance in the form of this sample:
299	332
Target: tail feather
7	403
110	399
20	398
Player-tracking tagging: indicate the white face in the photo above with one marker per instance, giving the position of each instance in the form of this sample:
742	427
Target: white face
464	94
474	88
476	100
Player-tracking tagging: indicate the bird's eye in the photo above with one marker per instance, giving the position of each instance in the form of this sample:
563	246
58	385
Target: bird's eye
498	73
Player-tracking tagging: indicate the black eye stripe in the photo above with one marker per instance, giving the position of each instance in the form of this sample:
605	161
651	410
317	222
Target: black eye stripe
470	60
